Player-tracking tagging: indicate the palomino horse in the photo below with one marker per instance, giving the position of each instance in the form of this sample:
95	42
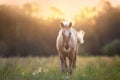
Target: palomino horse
67	44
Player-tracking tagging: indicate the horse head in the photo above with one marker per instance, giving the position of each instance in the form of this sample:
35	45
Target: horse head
66	34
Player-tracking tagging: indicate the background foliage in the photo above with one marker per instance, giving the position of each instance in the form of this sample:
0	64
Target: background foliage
24	35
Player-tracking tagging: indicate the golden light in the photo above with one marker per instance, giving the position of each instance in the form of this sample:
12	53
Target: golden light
50	13
61	9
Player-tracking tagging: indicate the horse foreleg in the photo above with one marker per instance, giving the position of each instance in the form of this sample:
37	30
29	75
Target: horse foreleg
70	63
75	57
63	63
74	61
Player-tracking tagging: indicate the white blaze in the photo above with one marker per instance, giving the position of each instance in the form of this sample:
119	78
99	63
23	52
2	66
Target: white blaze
66	33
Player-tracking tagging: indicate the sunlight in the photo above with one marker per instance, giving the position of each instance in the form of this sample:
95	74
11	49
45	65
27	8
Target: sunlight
48	10
34	14
50	13
69	18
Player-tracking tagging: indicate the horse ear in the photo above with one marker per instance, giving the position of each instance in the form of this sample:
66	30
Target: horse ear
70	24
62	25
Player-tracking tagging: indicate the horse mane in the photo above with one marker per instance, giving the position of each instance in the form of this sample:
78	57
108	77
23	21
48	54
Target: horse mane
80	36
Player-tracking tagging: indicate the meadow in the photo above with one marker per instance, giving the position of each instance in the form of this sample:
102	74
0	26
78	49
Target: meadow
48	68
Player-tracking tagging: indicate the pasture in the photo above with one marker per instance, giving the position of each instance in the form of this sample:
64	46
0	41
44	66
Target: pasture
48	68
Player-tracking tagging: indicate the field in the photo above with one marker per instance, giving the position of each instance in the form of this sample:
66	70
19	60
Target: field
48	68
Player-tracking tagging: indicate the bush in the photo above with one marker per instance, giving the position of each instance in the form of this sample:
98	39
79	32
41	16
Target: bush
112	48
3	48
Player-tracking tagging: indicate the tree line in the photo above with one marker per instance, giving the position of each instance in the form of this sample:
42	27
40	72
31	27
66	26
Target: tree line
24	35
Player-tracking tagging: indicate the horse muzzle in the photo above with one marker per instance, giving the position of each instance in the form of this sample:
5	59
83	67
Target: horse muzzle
67	48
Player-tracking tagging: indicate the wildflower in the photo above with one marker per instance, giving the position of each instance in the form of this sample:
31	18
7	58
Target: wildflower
33	73
65	77
38	71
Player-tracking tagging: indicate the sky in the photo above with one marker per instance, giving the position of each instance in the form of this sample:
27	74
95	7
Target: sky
69	3
69	7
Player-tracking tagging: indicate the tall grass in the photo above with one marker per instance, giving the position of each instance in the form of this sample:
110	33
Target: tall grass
41	68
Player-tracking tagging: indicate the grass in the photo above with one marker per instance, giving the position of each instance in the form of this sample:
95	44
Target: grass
41	68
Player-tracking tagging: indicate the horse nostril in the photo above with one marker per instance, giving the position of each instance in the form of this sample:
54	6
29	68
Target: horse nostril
66	47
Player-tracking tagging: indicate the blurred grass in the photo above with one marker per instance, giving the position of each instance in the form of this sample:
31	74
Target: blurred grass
41	68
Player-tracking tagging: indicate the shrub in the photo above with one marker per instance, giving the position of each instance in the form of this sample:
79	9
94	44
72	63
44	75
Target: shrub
112	48
3	48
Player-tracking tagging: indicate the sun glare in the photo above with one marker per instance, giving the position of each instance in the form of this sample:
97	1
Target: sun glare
61	9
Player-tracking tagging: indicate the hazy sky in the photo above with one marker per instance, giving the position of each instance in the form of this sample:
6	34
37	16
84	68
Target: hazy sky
67	6
58	2
61	4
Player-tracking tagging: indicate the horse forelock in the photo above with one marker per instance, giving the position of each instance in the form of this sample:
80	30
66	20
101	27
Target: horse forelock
66	23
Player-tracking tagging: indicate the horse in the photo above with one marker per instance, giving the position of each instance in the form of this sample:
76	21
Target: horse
67	44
